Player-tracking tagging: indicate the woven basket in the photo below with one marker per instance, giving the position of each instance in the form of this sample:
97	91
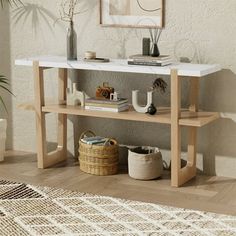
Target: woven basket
97	159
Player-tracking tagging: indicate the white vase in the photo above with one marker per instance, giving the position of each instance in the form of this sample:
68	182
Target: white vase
137	107
3	135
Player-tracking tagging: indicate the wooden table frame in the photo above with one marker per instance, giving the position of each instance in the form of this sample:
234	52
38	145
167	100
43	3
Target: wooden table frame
178	176
60	154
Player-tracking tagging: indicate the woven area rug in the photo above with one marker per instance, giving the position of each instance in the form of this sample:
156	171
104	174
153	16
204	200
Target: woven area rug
30	210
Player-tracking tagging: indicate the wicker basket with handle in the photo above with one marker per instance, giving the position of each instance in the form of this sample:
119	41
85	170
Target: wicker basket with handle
98	159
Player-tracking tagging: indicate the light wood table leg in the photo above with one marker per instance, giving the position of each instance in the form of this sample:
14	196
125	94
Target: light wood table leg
62	118
175	127
180	176
40	116
60	154
190	170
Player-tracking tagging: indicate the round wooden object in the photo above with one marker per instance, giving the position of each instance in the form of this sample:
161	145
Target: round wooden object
90	55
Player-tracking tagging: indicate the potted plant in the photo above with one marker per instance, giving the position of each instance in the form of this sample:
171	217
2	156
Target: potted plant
3	122
3	87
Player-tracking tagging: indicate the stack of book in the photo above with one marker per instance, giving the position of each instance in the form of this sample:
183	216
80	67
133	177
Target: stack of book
96	104
97	140
141	60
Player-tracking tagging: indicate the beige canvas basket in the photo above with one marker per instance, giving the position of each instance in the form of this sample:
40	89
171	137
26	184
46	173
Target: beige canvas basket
97	159
145	166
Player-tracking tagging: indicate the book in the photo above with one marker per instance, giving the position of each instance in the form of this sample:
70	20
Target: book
108	109
94	140
101	141
106	105
88	139
147	63
106	101
150	58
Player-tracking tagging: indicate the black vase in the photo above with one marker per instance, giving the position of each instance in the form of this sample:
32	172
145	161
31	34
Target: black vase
155	51
152	110
71	43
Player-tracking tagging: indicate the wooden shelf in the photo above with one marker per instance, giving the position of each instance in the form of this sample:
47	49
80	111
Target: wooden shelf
194	119
30	105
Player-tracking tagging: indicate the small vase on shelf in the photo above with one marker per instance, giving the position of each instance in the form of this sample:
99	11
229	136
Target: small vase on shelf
155	50
71	43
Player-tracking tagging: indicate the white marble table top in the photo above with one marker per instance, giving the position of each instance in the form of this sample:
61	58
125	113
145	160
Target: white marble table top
119	65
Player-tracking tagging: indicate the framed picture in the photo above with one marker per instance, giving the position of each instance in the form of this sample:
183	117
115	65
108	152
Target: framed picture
132	13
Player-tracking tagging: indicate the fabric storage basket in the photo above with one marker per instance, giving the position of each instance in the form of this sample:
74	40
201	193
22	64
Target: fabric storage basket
98	159
145	163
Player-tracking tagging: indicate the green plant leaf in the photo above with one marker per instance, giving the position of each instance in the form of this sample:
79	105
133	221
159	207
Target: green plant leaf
4	105
6	89
3	83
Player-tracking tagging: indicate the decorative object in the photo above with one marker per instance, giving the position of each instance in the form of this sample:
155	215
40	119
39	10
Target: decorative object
98	159
71	43
137	107
152	110
104	91
186	51
90	55
115	96
98	60
146	46
132	13
155	36
67	13
34	210
75	97
145	163
159	85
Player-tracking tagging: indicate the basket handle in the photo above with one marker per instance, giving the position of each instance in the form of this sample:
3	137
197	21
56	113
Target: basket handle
110	139
85	133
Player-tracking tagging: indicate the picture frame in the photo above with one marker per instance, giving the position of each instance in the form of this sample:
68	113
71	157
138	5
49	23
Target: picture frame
132	13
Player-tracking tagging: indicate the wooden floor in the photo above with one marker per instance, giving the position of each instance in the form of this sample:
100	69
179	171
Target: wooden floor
214	194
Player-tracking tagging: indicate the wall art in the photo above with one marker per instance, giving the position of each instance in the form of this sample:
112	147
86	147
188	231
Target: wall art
132	13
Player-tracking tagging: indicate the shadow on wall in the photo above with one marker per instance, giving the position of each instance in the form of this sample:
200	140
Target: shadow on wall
219	95
5	69
34	13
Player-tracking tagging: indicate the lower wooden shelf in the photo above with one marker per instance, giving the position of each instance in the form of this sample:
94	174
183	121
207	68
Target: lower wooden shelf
194	119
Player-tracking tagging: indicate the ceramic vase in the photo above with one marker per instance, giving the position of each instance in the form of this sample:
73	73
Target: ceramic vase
155	50
137	107
71	43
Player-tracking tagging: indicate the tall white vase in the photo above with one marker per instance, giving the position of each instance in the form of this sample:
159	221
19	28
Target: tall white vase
137	107
3	135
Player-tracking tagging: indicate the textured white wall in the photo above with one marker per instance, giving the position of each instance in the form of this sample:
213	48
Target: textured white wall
210	25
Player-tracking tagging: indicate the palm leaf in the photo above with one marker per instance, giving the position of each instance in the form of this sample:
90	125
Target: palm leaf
4	105
3	83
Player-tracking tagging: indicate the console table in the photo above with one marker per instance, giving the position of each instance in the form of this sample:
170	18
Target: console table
174	116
